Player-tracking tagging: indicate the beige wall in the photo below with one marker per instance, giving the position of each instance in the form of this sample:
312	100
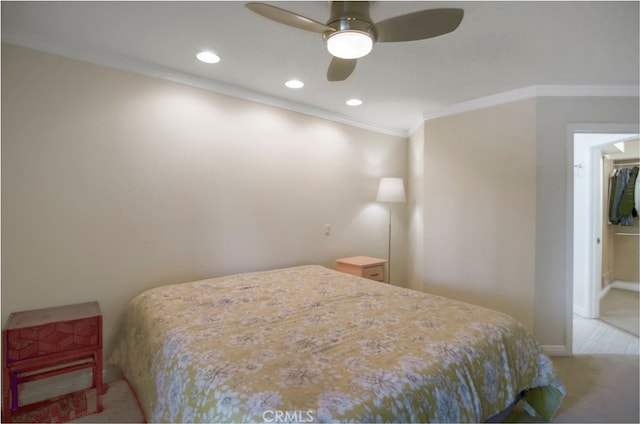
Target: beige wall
113	183
496	208
627	253
478	208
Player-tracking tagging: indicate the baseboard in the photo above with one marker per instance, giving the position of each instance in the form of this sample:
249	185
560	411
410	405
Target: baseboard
617	284
62	384
625	285
556	350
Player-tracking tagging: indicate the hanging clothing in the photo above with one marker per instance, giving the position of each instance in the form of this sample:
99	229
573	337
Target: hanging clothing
613	197
623	196
621	177
627	209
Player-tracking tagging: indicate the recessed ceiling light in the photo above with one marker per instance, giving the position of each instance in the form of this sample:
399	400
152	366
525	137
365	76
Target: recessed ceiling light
354	102
294	83
208	57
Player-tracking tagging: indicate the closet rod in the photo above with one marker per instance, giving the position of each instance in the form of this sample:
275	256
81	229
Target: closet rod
626	234
625	164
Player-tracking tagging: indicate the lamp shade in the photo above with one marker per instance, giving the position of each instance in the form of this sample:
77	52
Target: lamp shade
391	190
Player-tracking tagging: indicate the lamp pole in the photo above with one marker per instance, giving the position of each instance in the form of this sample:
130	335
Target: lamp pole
390	190
389	247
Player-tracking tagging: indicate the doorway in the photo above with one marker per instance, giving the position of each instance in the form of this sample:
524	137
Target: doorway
590	145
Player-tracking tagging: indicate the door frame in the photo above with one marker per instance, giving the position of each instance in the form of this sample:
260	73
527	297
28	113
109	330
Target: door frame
595	282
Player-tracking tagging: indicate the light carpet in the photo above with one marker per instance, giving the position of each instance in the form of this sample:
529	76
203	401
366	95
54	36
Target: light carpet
120	406
600	388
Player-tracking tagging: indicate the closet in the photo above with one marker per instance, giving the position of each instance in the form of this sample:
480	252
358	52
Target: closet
621	221
621	244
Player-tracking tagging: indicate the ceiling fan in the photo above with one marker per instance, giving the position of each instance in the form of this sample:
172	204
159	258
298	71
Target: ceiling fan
350	33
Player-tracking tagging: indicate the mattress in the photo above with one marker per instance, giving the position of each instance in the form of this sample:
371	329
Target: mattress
309	343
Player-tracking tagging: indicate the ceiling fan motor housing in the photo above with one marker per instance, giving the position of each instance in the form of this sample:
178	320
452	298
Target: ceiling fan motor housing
350	16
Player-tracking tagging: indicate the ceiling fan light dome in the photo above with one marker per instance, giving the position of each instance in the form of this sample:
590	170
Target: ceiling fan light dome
349	44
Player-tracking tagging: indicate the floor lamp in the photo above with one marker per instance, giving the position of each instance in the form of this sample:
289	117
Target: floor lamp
390	190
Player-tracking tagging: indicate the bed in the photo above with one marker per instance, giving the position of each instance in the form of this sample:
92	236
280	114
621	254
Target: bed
308	343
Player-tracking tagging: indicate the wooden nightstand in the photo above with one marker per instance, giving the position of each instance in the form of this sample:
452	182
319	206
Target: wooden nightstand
47	342
364	266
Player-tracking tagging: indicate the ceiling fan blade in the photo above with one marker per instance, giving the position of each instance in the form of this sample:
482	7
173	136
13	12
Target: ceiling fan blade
288	18
418	25
340	69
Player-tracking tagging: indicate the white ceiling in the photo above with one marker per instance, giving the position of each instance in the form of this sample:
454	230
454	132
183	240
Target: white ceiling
499	46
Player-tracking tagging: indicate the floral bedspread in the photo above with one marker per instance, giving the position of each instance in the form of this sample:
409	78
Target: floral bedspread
308	343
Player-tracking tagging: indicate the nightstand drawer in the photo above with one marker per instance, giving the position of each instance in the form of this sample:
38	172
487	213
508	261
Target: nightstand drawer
30	342
374	273
364	266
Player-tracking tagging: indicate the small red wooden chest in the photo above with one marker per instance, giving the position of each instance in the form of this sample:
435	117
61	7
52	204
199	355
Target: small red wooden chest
46	342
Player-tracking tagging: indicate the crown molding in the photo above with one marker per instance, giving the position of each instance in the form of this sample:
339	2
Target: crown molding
536	91
415	127
157	71
587	90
